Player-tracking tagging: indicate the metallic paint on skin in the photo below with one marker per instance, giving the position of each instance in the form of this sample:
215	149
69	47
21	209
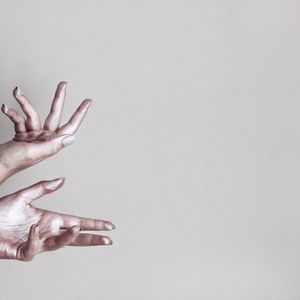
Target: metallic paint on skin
24	229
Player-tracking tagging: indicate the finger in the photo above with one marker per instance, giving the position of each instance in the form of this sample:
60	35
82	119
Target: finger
73	124
53	120
44	149
87	239
33	121
85	223
61	240
36	135
40	189
15	117
28	250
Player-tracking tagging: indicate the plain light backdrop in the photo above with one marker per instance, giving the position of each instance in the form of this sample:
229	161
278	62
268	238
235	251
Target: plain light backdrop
191	145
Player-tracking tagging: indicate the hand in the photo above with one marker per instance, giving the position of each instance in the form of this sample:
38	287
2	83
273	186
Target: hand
26	230
34	142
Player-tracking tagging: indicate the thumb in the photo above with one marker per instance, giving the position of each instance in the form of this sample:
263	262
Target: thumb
28	250
42	150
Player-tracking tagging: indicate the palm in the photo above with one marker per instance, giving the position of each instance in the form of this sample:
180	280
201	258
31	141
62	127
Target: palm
18	218
16	221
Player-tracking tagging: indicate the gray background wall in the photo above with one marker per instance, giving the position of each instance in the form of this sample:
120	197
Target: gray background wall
191	145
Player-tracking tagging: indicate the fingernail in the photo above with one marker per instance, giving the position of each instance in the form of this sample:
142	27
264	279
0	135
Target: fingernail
67	141
55	183
109	226
107	241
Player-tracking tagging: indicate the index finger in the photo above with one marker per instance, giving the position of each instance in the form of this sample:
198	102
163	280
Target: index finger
73	124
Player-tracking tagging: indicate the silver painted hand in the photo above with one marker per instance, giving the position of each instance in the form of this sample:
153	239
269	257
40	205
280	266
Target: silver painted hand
33	141
26	230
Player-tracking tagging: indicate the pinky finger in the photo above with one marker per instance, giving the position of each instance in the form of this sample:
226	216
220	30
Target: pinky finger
16	118
28	250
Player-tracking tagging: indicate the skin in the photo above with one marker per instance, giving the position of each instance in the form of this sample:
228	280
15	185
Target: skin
34	141
24	229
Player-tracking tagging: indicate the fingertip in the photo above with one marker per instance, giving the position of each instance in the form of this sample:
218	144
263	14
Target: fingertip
107	241
32	227
68	140
62	178
54	184
60	181
62	86
109	226
88	101
36	229
4	108
17	91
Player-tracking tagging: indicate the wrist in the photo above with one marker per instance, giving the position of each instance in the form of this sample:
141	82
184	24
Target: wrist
6	162
5	171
